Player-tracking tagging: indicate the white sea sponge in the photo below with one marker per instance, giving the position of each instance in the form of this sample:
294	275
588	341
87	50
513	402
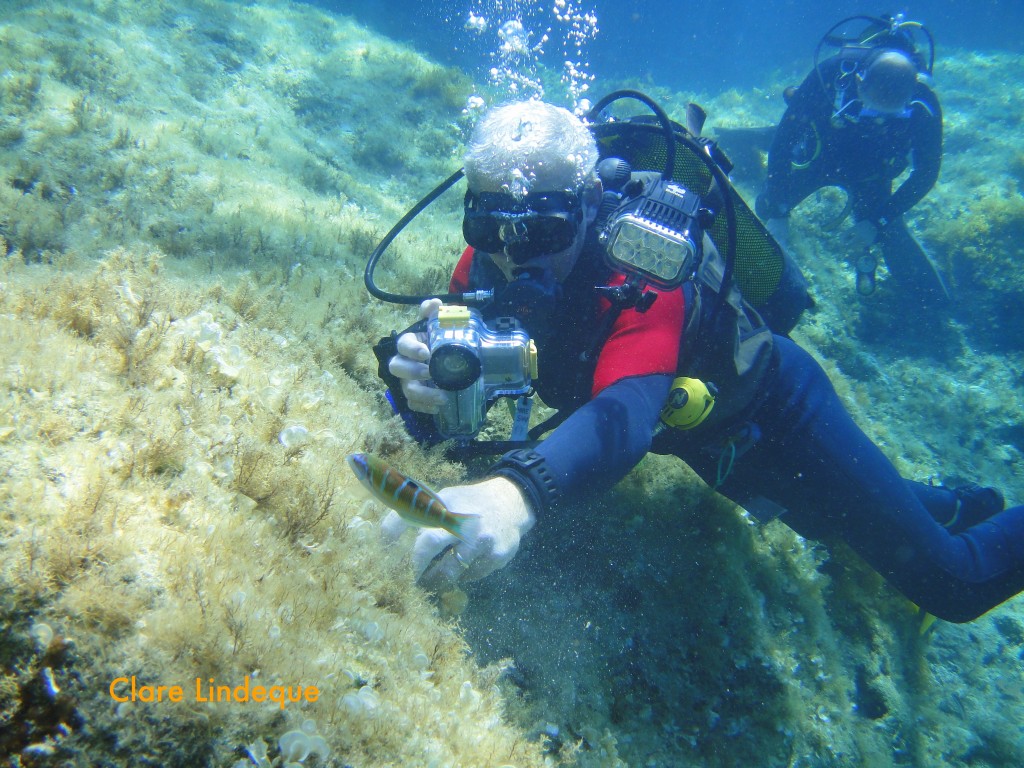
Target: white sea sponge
209	334
229	361
257	752
41	634
310	400
296	746
294	437
364	703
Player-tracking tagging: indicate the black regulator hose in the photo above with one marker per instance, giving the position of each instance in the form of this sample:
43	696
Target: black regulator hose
663	118
371	262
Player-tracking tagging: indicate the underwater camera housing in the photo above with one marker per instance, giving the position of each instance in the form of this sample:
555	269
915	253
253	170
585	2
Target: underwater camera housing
474	364
654	232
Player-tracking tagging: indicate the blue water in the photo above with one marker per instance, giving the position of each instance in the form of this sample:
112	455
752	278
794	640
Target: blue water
697	47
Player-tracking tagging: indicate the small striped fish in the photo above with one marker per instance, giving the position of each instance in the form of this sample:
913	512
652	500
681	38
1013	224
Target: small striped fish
414	502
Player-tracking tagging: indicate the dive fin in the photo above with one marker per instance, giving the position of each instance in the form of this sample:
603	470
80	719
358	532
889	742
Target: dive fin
695	117
745	139
911	265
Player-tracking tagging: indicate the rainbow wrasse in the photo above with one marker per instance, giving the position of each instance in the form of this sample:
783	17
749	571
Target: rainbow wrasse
413	501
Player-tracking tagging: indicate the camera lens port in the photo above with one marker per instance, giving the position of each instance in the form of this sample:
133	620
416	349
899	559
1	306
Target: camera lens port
454	367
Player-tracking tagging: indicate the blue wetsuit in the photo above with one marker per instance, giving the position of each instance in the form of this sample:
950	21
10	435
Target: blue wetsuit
812	460
804	454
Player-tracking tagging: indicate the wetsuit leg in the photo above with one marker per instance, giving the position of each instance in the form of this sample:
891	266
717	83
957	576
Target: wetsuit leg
783	191
787	184
814	461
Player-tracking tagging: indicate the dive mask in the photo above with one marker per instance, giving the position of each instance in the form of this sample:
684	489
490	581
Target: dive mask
536	225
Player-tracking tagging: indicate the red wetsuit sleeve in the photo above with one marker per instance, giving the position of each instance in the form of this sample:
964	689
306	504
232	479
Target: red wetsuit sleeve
460	277
642	343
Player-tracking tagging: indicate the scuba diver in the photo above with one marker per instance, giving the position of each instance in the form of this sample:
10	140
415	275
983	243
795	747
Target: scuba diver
854	122
640	336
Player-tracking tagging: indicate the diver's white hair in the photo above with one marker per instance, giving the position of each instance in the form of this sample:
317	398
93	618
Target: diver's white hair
530	146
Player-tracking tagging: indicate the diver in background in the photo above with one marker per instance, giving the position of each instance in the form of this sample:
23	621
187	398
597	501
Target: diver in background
855	122
777	441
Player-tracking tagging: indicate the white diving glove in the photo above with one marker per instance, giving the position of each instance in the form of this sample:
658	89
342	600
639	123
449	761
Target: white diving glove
410	365
440	559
